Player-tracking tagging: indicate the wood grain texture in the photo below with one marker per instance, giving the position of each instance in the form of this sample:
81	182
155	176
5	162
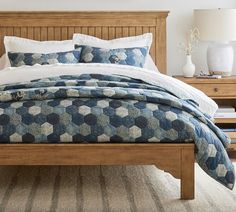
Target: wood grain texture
187	174
96	154
67	154
105	25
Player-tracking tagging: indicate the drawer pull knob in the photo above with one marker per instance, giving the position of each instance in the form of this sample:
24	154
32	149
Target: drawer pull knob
216	89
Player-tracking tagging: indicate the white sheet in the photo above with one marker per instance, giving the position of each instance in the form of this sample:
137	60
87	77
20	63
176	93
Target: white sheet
149	64
180	89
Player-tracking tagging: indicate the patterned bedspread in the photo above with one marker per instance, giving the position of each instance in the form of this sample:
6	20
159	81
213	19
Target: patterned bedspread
110	108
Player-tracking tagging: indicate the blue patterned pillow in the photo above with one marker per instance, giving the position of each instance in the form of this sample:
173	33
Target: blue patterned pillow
18	59
125	56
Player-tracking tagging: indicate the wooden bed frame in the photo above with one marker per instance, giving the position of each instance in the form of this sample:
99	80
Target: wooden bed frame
177	159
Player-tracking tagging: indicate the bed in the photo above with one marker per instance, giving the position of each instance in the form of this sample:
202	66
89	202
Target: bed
176	158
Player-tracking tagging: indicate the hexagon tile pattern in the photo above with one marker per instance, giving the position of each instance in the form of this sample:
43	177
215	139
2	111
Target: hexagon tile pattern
105	108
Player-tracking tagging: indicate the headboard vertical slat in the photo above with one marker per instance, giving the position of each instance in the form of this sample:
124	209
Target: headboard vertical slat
50	31
125	31
36	33
112	33
139	30
132	31
118	32
17	31
71	31
30	34
91	31
10	30
105	33
161	43
85	30
98	31
64	34
77	30
153	47
57	33
106	25
44	33
24	31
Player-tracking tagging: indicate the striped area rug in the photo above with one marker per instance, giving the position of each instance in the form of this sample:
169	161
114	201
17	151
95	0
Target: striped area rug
106	188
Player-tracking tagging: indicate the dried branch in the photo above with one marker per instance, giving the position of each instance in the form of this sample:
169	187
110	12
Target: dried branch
192	39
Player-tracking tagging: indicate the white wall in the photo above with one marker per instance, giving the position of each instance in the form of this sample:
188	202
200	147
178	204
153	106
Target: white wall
179	20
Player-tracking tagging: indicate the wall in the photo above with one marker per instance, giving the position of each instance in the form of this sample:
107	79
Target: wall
179	20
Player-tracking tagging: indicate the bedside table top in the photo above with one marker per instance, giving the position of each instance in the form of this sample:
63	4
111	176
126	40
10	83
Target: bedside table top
194	80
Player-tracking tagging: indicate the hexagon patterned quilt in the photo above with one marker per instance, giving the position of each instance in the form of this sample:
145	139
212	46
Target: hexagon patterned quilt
110	108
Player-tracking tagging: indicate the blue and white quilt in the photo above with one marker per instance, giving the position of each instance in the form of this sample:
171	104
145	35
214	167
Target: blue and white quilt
112	108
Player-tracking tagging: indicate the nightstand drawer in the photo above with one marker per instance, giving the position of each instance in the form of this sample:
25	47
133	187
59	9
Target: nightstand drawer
217	90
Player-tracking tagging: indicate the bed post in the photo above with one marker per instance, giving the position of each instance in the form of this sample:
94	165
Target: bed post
187	173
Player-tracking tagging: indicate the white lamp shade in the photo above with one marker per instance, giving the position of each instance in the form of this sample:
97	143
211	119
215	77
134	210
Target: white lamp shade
217	25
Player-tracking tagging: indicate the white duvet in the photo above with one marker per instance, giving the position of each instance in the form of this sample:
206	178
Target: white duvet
180	89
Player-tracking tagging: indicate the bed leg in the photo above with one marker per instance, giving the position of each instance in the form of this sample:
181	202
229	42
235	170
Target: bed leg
187	174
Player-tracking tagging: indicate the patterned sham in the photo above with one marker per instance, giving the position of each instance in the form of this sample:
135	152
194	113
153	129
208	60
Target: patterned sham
19	59
124	56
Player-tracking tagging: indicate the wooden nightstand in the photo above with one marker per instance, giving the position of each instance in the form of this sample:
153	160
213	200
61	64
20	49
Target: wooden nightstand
223	91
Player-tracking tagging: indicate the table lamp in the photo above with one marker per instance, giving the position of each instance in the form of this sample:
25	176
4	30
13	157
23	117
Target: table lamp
219	27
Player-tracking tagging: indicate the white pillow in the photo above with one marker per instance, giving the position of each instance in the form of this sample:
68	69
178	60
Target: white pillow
17	44
150	65
126	42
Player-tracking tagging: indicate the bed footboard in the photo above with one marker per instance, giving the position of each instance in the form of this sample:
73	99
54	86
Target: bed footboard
177	159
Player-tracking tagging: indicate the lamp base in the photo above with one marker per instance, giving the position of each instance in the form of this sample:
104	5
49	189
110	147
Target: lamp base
220	59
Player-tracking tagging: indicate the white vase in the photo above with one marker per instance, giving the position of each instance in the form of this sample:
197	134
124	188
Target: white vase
189	67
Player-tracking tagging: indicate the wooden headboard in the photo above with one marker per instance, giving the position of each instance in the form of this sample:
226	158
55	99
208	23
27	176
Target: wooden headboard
105	25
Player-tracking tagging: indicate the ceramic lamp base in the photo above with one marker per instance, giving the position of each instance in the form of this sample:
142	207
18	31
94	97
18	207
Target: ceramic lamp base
220	59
